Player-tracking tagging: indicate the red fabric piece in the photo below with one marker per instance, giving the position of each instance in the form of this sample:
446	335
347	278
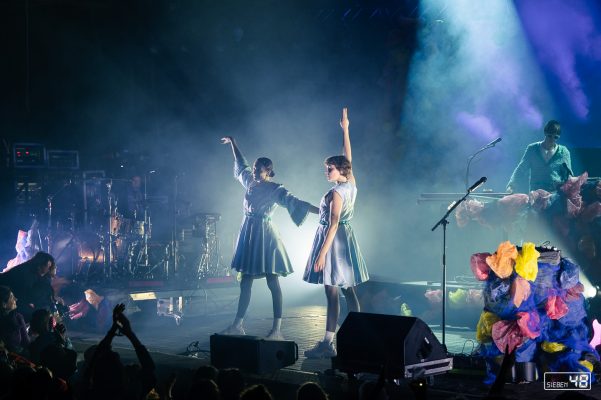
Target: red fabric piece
571	188
529	323
512	204
468	210
574	292
507	334
556	307
479	266
540	199
434	296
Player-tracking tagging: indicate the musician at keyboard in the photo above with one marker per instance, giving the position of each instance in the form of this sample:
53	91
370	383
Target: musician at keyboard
545	165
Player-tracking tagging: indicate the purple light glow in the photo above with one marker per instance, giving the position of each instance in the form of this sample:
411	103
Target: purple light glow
477	125
562	32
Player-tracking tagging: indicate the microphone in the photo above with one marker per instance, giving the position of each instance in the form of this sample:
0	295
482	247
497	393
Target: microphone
493	143
570	173
477	184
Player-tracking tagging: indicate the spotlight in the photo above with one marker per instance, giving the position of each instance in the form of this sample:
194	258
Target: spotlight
590	290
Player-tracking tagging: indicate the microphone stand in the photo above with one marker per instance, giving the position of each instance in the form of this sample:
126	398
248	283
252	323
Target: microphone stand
469	161
444	222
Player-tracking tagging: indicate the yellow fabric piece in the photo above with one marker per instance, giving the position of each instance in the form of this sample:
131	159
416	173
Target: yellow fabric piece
587	364
405	310
503	260
484	327
458	296
552	347
526	264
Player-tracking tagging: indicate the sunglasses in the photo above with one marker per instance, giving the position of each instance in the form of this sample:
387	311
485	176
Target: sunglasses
330	168
553	136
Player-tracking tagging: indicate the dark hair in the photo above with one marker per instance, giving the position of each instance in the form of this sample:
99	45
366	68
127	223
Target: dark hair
41	259
267	164
4	293
553	128
341	163
256	392
310	391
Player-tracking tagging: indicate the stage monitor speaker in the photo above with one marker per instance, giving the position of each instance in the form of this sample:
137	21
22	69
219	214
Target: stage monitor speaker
252	353
400	347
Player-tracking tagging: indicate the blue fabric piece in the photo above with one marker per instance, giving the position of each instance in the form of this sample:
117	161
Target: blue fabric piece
525	352
497	298
569	274
543	283
576	313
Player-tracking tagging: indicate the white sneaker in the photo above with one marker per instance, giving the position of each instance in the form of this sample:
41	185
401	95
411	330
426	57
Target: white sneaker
275	334
321	350
233	330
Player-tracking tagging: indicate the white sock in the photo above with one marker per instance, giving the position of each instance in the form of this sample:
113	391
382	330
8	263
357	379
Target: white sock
277	324
329	337
238	322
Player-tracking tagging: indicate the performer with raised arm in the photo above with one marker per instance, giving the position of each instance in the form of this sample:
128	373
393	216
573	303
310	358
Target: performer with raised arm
544	165
335	259
259	251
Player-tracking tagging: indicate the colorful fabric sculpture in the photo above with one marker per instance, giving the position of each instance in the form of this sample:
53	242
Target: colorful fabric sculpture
533	305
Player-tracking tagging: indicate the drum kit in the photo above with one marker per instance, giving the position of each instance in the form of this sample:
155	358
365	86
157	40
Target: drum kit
111	244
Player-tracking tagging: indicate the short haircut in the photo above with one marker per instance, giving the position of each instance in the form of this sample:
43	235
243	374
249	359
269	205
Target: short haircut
553	128
341	163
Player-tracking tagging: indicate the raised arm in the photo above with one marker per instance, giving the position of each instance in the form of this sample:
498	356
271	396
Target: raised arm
241	170
235	150
346	142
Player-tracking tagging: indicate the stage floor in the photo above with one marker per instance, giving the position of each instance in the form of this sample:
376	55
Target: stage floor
169	345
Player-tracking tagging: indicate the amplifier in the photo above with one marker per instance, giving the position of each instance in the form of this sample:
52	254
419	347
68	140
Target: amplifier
252	353
29	155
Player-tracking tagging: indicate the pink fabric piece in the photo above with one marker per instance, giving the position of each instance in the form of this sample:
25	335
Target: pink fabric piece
467	211
479	267
556	307
529	323
540	199
512	204
571	188
574	292
475	297
434	296
79	310
507	334
520	290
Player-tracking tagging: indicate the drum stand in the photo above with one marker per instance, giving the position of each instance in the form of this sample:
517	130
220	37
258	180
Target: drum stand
208	264
108	261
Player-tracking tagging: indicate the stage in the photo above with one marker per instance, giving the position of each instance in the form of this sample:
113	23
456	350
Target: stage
185	347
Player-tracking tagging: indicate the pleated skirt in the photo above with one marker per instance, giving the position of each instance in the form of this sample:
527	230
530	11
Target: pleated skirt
259	249
344	265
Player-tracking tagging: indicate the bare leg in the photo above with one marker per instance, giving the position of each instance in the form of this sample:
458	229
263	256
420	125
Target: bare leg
352	302
273	284
333	308
245	291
